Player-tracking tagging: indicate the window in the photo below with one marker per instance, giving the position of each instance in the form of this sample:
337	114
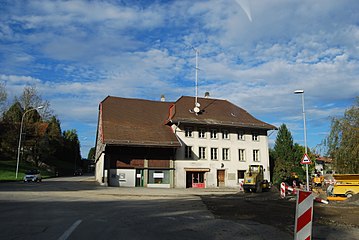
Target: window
214	133
188	152
202	153
255	137
256	155
158	176
188	132
241	136
225	134
225	153
202	133
241	174
214	153
242	155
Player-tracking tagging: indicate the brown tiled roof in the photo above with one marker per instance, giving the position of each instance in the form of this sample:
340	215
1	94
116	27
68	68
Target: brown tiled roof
136	122
140	122
324	159
214	112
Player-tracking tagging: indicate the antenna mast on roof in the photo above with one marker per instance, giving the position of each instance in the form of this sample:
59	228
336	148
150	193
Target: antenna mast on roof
196	103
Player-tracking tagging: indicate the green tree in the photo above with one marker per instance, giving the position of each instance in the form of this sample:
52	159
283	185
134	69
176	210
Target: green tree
9	131
14	114
91	154
3	95
343	141
72	148
283	155
51	144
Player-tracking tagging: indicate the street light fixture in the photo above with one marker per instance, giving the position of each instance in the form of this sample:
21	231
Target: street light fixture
19	147
300	91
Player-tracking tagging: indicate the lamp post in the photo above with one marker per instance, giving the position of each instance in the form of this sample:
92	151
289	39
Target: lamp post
305	134
19	147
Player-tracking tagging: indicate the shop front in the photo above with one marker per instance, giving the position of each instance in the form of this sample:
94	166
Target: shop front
196	177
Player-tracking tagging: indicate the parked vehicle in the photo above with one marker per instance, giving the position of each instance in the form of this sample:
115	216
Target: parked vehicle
78	172
32	176
254	179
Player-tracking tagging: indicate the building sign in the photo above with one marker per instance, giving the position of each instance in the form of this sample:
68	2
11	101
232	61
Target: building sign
158	175
122	177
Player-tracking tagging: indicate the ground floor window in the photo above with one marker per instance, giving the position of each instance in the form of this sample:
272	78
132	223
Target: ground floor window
241	174
158	176
195	180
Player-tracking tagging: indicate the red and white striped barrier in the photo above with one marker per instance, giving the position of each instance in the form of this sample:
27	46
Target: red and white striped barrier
282	190
241	189
303	216
318	199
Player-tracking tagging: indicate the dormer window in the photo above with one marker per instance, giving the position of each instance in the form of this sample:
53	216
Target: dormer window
255	137
241	136
214	134
202	133
225	134
188	132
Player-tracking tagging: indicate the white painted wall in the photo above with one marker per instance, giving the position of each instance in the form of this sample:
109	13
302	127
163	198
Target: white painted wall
122	177
99	168
230	166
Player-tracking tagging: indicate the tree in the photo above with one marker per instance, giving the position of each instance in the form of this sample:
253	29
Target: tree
51	144
30	98
72	148
9	131
91	154
343	141
3	95
283	155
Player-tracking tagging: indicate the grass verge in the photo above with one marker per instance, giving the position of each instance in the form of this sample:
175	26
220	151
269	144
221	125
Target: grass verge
8	170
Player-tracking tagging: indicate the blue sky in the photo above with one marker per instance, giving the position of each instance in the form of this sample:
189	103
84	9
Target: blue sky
78	52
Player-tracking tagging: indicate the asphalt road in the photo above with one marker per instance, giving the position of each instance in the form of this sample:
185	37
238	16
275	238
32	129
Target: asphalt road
77	208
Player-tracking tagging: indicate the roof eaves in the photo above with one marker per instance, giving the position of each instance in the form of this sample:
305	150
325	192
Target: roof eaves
224	123
172	144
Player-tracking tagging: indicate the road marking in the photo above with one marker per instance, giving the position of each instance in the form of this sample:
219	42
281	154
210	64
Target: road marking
70	230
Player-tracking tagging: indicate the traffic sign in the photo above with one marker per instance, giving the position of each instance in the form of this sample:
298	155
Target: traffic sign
306	159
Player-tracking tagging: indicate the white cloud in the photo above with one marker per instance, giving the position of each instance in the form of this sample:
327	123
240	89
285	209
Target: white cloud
78	52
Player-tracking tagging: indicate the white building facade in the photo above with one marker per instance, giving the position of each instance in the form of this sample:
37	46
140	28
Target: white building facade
218	156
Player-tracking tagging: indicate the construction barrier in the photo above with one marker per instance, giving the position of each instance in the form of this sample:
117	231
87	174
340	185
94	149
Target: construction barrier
285	189
241	189
320	200
303	216
282	190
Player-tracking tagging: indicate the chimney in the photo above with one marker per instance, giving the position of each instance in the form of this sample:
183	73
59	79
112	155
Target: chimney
206	94
163	98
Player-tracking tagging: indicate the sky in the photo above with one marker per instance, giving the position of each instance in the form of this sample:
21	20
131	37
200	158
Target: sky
253	53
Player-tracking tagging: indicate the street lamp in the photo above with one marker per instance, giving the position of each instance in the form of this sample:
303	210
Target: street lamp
19	148
305	134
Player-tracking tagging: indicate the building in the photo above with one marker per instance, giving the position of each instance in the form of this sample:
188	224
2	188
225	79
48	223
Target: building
193	142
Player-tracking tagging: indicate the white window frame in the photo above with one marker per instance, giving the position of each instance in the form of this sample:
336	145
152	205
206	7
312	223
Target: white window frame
188	132
242	155
214	153
202	133
188	152
225	134
225	154
255	137
214	133
256	155
202	152
240	136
